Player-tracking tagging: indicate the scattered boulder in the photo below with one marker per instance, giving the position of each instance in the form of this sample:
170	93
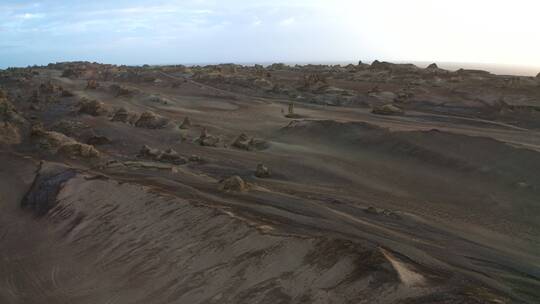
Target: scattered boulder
92	84
150	120
148	152
92	107
157	99
186	124
391	214
167	156
262	171
387	109
119	91
249	144
241	142
123	115
258	144
207	140
171	156
385	212
195	158
233	183
371	210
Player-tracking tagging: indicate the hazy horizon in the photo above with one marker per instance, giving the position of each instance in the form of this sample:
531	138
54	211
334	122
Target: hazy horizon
499	69
492	35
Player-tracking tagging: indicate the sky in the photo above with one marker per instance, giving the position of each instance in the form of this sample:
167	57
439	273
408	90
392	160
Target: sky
249	31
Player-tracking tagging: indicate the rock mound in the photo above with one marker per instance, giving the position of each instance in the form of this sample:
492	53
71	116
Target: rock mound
167	156
120	91
148	152
262	171
233	183
186	124
10	121
387	109
92	84
207	140
171	156
150	120
243	142
125	116
92	107
59	143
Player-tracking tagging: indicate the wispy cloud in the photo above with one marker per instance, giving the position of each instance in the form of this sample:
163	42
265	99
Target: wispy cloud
287	21
28	16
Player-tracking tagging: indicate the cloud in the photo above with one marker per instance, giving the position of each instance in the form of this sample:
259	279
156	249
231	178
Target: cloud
256	22
266	30
287	22
28	16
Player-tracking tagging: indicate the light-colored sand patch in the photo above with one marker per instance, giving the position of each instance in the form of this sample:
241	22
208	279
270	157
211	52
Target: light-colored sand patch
407	276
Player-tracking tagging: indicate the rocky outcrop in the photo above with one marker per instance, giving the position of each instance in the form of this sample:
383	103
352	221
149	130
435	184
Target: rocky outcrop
92	107
387	109
186	124
233	183
56	142
314	81
262	171
125	116
92	84
76	149
47	184
432	66
207	140
72	128
148	152
244	142
171	156
10	121
120	91
167	156
150	120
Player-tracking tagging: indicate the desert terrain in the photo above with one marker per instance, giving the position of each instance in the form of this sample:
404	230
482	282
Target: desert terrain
366	183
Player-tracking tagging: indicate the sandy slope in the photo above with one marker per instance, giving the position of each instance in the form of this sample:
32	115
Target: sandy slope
454	217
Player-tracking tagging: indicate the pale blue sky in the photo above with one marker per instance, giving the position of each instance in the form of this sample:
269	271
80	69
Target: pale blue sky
245	31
